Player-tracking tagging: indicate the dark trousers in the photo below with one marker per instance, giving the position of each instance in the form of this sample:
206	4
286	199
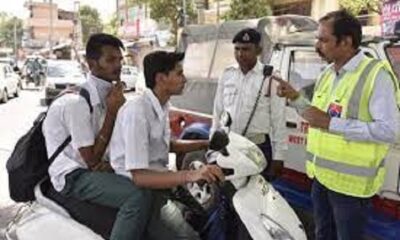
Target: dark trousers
266	148
84	212
109	189
337	216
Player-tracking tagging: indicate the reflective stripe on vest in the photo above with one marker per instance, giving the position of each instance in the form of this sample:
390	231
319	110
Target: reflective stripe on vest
355	100
344	168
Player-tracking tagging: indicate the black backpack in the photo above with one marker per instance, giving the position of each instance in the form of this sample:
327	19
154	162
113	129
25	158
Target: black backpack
29	163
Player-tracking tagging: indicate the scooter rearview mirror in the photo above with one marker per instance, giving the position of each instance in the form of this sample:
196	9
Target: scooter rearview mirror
226	119
219	140
267	70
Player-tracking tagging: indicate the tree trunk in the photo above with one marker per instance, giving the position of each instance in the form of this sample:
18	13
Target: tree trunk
174	30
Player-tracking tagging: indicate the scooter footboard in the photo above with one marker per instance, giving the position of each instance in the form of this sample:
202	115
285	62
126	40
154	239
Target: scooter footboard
265	213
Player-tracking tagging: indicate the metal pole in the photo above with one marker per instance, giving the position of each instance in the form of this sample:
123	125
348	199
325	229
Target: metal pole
75	42
117	10
145	11
215	46
51	28
15	39
126	12
218	13
184	12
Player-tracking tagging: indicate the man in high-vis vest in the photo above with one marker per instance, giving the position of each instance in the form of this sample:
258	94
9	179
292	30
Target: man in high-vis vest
354	117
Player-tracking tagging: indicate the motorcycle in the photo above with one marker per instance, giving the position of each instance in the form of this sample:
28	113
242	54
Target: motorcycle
34	76
245	196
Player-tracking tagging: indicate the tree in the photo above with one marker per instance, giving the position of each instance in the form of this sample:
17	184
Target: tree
91	22
356	6
172	12
7	30
112	26
248	9
169	12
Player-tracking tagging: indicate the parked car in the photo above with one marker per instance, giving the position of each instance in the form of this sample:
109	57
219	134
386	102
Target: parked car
8	60
293	55
61	74
14	66
129	76
9	83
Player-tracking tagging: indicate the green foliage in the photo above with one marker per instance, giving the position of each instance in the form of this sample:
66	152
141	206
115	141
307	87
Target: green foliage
356	6
91	22
169	12
112	26
7	30
248	9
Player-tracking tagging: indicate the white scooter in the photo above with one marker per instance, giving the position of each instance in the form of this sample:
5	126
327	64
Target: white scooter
263	211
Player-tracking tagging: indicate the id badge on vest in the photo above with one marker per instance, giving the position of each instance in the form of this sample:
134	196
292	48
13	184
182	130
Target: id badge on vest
335	110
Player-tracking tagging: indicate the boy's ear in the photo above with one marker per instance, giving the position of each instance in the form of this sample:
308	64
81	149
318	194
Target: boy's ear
258	49
347	41
159	78
91	63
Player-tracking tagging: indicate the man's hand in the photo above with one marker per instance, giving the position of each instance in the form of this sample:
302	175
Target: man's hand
115	98
209	173
103	166
285	89
317	118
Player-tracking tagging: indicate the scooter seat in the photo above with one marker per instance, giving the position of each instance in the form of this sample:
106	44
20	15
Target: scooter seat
98	218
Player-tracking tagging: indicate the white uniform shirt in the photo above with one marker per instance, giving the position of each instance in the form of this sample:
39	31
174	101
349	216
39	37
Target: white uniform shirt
237	94
70	116
141	135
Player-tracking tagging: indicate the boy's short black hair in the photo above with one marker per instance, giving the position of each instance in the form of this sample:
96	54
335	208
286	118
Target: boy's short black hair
99	40
345	24
159	62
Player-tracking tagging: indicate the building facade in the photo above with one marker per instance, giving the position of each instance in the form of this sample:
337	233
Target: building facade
134	20
37	26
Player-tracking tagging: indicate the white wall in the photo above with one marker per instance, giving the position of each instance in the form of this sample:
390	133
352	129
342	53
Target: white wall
321	7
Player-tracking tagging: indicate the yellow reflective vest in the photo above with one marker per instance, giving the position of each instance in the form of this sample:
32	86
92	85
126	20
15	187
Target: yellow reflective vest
352	168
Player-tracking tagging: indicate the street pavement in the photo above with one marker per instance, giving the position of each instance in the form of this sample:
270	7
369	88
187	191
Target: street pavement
16	117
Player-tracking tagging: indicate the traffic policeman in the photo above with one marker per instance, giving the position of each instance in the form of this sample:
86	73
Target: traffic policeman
240	92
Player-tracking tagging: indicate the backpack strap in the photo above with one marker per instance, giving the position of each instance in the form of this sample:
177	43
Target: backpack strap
85	94
60	149
267	71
